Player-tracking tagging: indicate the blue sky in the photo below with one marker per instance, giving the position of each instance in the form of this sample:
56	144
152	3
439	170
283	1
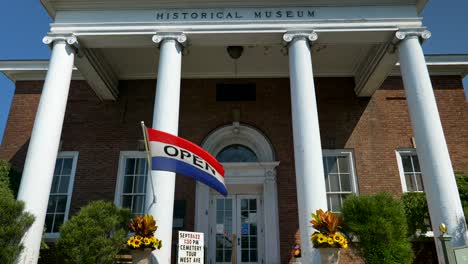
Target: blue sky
24	23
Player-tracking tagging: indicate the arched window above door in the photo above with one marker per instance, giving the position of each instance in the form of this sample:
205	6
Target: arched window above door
239	143
236	153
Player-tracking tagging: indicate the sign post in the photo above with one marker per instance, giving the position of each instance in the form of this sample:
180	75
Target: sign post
191	247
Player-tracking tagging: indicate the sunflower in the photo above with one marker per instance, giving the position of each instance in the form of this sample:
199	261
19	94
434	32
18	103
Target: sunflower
146	241
344	245
321	239
136	243
130	241
338	238
330	241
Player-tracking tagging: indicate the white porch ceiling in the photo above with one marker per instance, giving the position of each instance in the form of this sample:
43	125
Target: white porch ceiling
256	61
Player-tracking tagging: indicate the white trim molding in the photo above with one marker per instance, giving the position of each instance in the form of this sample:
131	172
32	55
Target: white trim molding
349	154
74	156
124	155
241	178
239	134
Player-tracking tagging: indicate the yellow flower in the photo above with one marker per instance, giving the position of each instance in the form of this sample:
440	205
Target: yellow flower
136	243
139	238
330	241
130	241
146	241
321	239
345	245
338	238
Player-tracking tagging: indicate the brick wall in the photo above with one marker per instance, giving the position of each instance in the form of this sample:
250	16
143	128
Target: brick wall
372	127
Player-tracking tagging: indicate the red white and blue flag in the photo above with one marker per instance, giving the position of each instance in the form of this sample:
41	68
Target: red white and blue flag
171	153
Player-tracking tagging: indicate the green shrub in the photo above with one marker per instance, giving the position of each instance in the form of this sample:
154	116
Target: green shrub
462	183
94	235
14	222
10	176
417	212
379	224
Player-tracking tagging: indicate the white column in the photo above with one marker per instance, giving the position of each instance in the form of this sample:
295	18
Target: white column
44	143
310	181
165	118
271	229
438	176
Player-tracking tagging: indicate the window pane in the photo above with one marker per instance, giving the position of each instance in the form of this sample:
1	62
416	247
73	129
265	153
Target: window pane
67	166
253	204
138	204
130	166
406	160
55	183
236	153
141	167
332	165
58	222
253	255
253	242
419	181
345	182
343	163
245	256
64	181
48	222
334	202
244	204
128	184
219	256
58	166
127	201
139	185
334	182
416	164
61	203
51	204
409	182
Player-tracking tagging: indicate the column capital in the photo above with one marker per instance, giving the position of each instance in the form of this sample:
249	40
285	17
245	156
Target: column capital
421	34
180	37
290	36
69	39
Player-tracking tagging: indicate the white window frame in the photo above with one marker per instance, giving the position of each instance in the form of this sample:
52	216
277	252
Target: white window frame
398	152
352	169
124	155
74	156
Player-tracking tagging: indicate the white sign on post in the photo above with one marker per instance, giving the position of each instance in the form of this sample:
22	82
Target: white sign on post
191	245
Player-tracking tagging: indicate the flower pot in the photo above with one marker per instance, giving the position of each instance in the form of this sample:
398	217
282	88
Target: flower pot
141	256
330	255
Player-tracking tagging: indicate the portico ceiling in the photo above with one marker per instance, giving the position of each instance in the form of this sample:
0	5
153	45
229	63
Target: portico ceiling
256	61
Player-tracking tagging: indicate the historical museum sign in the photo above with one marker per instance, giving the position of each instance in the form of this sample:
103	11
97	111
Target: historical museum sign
235	14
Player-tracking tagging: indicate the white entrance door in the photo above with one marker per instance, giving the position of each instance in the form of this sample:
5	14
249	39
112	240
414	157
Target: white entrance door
237	220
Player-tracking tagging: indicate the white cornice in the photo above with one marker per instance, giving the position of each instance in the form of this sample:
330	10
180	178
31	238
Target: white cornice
52	6
29	70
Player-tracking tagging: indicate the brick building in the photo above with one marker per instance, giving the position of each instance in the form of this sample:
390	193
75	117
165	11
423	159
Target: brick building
236	79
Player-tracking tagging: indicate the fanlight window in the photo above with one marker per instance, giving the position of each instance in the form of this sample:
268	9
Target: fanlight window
236	153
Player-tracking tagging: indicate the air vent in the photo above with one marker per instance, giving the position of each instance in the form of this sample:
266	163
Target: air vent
231	92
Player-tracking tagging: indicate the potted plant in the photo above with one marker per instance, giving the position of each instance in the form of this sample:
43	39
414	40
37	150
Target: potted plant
143	242
327	236
296	253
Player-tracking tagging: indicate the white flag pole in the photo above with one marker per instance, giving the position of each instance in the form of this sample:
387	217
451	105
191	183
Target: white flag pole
149	161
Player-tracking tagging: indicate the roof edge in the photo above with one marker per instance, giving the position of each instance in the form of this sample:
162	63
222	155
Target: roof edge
28	70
